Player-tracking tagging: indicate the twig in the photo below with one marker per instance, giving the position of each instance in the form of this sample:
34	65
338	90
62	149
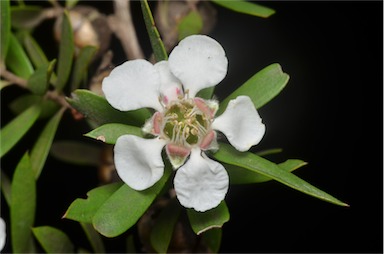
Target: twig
9	76
122	25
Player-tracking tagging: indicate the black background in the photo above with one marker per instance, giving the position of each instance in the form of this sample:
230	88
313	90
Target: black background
330	115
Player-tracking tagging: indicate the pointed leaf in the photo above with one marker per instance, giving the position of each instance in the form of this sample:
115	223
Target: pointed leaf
26	16
245	7
38	82
6	187
53	240
261	88
125	207
22	123
93	237
70	3
214	218
17	60
23	102
212	239
250	161
81	65
83	210
163	228
41	148
190	24
78	153
23	206
5	19
154	36
98	109
4	83
66	52
269	152
110	132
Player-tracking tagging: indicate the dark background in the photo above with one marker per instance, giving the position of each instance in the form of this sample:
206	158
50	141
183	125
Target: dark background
330	115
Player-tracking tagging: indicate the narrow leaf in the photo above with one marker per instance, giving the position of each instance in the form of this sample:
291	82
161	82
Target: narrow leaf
154	36
125	207
163	228
26	16
23	206
261	88
206	93
66	52
40	150
98	109
4	83
190	24
214	218
245	7
53	240
110	132
23	102
6	188
38	82
83	210
22	123
70	3
81	65
17	60
250	161
78	153
212	239
5	19
93	237
34	51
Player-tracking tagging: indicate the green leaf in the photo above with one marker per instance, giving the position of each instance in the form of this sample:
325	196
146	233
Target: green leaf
125	207
48	107
261	88
206	93
109	133
22	123
53	240
214	218
245	7
34	51
93	237
38	82
83	210
154	36
212	239
239	175
190	24
98	109
66	52
23	206
6	187
40	150
250	161
78	153
5	19
81	65
163	228
4	83
17	60
26	16
70	3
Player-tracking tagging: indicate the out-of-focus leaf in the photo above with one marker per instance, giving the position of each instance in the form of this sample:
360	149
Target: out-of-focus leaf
162	231
41	148
98	109
206	93
5	19
17	60
261	88
15	130
110	132
212	239
93	237
214	218
48	107
250	161
190	24
70	3
154	36
83	210
6	187
53	240
245	7
269	152
81	65
66	52
4	83
38	82
78	153
23	204
125	207
26	16
238	175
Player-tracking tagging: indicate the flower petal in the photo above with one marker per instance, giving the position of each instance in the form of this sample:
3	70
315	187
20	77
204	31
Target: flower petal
3	233
199	62
134	84
240	123
138	161
201	183
170	86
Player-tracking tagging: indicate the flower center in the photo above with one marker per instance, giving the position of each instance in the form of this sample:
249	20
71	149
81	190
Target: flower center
184	123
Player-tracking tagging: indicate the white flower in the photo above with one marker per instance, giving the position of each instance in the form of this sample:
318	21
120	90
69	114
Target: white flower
183	124
3	233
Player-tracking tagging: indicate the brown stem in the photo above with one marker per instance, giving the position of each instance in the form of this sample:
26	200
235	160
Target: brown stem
9	76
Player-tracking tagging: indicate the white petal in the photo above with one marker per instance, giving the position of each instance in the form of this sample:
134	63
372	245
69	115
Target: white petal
201	183
134	84
199	62
3	233
240	123
138	161
170	86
